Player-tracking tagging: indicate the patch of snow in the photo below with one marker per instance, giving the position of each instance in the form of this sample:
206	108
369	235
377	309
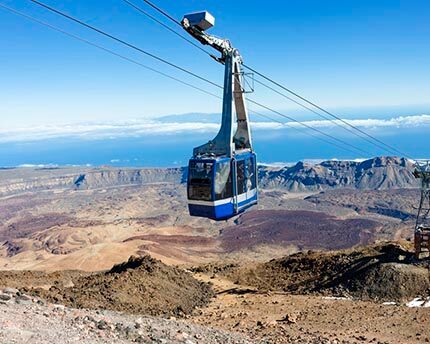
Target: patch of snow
419	302
335	298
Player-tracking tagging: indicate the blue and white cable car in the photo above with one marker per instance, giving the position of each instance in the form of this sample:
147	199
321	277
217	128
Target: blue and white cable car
211	190
222	174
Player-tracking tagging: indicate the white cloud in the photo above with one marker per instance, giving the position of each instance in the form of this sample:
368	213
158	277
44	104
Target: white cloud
39	165
92	131
396	122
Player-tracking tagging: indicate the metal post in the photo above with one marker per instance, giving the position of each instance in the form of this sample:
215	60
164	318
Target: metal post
222	144
422	225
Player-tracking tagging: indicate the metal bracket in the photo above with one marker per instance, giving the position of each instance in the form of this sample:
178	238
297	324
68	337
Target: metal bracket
246	82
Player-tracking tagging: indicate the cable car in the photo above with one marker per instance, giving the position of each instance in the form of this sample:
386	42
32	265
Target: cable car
221	188
222	174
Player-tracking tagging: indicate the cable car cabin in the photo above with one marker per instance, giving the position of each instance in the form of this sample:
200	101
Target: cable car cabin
219	188
222	174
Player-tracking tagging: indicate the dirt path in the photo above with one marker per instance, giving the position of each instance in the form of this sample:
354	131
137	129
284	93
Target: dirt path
281	318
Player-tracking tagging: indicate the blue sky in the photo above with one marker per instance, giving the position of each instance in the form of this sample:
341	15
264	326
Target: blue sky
339	53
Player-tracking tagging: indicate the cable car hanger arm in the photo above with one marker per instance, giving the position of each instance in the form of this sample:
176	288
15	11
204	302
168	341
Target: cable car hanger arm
197	31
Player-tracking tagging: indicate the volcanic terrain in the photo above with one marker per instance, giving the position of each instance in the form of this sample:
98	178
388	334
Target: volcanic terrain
326	257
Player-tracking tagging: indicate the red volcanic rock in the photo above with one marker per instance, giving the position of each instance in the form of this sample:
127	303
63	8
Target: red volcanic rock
174	239
305	229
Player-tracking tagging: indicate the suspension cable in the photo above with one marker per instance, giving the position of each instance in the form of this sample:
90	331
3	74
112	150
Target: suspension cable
391	148
107	50
336	122
308	126
195	45
301	130
188	84
125	43
139	9
164	13
157	71
364	135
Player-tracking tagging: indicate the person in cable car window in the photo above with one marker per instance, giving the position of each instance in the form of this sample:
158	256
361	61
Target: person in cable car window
250	175
247	179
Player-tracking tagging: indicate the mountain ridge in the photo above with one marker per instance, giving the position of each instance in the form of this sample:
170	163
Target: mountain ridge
380	173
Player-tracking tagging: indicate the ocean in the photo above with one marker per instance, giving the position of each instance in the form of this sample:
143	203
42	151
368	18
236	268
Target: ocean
169	149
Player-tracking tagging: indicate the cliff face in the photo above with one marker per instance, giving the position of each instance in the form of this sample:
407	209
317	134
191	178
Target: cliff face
119	177
374	174
21	180
27	182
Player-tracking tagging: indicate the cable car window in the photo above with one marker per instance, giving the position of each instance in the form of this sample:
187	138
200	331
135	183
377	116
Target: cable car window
241	170
251	177
223	185
200	181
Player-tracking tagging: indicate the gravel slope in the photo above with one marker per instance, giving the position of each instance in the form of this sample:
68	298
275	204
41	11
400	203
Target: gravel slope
28	320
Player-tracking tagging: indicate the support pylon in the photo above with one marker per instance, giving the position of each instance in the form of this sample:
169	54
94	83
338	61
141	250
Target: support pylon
422	226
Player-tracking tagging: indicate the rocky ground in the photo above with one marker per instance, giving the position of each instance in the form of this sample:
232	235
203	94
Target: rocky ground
376	294
238	314
277	317
24	319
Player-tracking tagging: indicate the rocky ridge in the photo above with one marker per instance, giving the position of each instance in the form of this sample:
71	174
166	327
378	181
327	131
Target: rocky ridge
142	285
381	173
381	272
19	180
